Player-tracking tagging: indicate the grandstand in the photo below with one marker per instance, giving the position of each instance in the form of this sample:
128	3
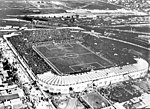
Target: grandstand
62	59
103	77
70	58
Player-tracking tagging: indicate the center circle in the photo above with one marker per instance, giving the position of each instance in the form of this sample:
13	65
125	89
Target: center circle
71	55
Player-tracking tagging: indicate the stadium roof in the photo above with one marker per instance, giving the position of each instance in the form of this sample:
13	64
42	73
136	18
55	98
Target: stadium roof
57	80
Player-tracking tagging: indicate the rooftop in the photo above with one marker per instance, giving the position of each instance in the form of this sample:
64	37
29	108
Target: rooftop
53	79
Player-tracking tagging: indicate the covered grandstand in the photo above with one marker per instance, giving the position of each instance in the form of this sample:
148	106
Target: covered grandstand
103	62
80	82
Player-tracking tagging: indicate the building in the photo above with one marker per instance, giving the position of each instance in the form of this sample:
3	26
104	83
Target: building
79	82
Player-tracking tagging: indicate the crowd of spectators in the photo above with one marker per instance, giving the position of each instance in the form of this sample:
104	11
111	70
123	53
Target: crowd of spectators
120	93
23	44
131	37
34	61
106	48
125	36
109	50
46	35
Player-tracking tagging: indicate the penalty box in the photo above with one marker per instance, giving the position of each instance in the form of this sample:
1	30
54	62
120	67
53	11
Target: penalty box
69	58
85	66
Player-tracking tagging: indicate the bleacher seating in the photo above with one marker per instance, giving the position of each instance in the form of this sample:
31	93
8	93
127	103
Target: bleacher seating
23	44
109	50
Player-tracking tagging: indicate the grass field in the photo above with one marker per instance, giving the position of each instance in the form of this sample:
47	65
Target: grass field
95	100
101	6
74	4
70	58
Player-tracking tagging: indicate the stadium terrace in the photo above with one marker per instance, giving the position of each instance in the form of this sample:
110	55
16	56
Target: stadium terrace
64	60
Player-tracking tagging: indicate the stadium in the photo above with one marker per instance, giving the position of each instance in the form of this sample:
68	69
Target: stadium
65	60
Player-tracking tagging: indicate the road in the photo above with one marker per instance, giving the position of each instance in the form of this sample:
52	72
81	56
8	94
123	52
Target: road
138	25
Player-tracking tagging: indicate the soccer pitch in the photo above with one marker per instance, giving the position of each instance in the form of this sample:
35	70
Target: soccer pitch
70	58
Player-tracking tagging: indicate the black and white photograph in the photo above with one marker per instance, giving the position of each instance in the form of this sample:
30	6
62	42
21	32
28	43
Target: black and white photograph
74	54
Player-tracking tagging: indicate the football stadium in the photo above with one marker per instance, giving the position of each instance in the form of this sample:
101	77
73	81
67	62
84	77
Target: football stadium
65	60
70	58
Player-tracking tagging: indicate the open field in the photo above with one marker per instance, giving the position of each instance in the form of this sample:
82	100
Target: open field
71	58
74	4
95	100
101	6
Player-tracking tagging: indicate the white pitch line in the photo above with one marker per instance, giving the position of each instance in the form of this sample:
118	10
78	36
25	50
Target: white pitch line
48	61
